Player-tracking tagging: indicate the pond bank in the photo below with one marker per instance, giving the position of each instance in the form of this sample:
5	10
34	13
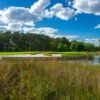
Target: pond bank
39	57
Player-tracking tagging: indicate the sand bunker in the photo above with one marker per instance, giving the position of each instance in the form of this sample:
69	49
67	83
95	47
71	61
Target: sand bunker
36	55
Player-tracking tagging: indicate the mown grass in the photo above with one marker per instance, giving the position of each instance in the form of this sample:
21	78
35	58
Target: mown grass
68	53
48	80
17	53
50	52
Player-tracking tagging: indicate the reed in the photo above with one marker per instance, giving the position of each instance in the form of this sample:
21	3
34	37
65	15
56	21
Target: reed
48	80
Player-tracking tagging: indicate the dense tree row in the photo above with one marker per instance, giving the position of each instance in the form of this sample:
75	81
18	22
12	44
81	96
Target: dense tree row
17	41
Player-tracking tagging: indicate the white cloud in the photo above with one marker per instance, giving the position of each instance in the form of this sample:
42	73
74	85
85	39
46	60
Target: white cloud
11	27
49	31
18	27
69	3
68	36
38	8
15	18
72	36
1	13
87	6
48	14
92	40
14	27
43	30
61	12
98	26
17	15
28	16
3	28
22	15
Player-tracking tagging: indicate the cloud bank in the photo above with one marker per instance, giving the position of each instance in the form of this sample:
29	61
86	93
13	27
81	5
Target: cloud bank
93	41
60	12
87	6
23	19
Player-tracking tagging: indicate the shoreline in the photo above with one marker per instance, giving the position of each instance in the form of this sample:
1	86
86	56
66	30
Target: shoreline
42	56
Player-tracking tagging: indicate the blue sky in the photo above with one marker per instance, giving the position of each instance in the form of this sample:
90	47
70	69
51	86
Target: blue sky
73	19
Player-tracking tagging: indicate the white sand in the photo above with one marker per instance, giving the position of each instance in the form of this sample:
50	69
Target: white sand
36	55
56	55
0	58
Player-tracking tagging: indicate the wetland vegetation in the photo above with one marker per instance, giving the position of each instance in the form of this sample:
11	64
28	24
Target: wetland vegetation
49	80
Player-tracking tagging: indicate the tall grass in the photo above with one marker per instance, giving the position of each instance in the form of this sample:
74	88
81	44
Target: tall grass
48	80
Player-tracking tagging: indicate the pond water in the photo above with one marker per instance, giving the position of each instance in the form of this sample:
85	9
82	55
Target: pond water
83	60
95	60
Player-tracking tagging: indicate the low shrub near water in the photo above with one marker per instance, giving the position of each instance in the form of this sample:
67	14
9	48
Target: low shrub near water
48	80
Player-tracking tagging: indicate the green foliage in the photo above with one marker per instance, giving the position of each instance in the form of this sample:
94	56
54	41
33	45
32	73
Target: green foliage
89	47
17	41
77	46
62	47
75	54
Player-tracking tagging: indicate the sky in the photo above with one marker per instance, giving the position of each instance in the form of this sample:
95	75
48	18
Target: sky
73	19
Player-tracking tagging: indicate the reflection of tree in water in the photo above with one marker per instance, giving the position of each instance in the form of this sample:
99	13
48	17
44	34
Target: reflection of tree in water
91	60
99	60
96	60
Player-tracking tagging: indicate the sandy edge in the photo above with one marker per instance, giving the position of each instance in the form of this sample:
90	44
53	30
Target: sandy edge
36	55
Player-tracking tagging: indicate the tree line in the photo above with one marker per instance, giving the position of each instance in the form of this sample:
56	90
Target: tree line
17	41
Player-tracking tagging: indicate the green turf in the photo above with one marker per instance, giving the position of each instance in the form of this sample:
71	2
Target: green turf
16	53
50	52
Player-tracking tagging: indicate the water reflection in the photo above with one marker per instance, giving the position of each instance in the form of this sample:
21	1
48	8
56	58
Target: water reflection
95	60
92	60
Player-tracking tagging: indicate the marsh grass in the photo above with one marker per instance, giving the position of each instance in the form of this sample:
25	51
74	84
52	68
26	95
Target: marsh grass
48	80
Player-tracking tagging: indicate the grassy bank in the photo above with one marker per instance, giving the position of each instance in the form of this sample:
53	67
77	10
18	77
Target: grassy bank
17	53
49	53
48	80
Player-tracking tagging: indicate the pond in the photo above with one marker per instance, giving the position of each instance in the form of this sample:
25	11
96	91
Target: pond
83	60
95	60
